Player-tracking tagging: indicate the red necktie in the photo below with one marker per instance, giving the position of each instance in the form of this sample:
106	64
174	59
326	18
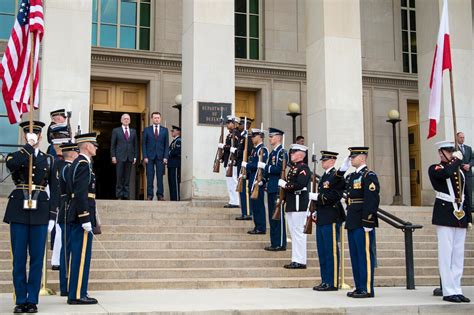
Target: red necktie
126	133
156	132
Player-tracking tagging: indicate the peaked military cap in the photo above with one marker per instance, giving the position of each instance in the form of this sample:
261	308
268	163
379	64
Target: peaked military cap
275	132
60	140
58	112
37	126
447	145
173	127
327	155
242	120
358	150
298	147
87	137
257	132
69	146
232	118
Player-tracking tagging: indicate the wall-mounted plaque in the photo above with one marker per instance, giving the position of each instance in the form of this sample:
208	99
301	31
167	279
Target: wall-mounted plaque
210	113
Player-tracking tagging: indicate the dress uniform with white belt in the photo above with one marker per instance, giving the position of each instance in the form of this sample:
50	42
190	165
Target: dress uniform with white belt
297	198
30	221
230	147
81	216
452	217
174	164
58	124
362	204
329	217
272	175
246	214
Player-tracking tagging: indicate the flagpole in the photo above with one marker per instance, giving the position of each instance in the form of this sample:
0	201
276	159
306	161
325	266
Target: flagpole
30	164
456	144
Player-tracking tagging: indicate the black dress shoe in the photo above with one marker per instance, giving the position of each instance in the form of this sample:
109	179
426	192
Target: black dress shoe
295	265
241	218
315	288
227	205
438	292
64	293
248	218
271	248
280	249
350	294
149	198
161	198
254	232
326	287
82	301
362	295
55	267
452	298
31	308
19	309
463	298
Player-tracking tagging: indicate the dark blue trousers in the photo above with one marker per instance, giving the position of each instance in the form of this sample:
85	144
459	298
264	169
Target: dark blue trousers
362	251
327	237
245	199
257	207
27	239
152	167
174	180
81	248
64	260
277	227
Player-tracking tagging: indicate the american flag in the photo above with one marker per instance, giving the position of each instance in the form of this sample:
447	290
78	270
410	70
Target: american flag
15	67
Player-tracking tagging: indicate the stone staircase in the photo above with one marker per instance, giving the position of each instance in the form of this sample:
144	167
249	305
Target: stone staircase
185	245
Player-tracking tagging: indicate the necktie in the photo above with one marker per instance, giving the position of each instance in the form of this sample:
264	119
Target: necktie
462	148
126	133
156	132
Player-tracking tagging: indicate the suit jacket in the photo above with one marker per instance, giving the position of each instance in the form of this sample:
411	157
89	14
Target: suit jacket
155	149
468	158
122	149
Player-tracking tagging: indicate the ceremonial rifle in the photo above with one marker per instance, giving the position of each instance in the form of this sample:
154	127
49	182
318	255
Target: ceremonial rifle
282	198
258	177
220	152
311	212
231	159
243	170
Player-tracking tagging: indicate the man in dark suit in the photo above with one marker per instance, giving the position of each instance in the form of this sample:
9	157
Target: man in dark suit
174	164
124	152
467	163
155	154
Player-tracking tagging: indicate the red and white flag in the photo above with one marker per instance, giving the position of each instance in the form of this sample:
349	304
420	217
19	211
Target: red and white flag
15	67
441	62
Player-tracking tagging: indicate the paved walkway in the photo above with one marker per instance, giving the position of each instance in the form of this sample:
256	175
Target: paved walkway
254	301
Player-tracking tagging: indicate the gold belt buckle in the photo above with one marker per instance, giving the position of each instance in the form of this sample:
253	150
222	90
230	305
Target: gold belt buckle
349	201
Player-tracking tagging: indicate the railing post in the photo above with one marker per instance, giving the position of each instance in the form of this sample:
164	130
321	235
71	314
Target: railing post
409	263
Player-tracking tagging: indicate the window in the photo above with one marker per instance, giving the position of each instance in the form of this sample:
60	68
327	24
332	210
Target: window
247	29
7	17
9	132
121	23
409	36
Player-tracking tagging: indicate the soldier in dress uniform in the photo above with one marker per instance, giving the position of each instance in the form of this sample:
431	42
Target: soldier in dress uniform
272	175
329	217
58	124
245	194
30	222
362	204
297	198
81	218
174	164
230	147
70	153
452	217
257	206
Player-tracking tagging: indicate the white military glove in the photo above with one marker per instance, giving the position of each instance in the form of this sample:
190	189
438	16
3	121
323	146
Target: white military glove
345	165
32	138
469	226
51	225
87	226
366	229
244	164
313	196
458	155
281	183
261	165
260	183
220	145
232	150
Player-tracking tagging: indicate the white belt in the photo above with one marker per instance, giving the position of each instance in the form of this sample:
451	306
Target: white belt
444	196
297	194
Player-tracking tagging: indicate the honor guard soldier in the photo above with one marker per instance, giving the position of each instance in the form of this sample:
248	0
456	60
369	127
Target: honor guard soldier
230	148
329	217
272	174
174	164
70	153
257	161
58	124
244	194
452	217
30	217
297	198
81	218
362	204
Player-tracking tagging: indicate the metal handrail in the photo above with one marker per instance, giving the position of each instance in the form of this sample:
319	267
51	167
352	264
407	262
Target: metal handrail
408	228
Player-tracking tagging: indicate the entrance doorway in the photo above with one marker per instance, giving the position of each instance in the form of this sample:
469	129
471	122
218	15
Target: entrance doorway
414	152
245	104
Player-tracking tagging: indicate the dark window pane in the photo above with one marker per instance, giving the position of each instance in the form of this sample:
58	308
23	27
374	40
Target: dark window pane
414	64
406	63
413	42
253	25
404	3
412	21
404	20
240	25
94	11
7	6
146	1
404	41
253	6
253	49
128	36
240	47
240	6
6	23
108	36
412	3
144	15
411	137
94	34
128	13
144	38
108	11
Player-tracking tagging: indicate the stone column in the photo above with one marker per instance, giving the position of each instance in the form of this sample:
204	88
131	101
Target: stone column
428	13
208	76
334	75
66	60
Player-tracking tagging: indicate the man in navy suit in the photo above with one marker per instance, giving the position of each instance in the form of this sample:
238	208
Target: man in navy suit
155	154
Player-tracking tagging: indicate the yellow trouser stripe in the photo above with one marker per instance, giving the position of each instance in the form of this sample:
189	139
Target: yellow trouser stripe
81	267
334	253
368	264
11	254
